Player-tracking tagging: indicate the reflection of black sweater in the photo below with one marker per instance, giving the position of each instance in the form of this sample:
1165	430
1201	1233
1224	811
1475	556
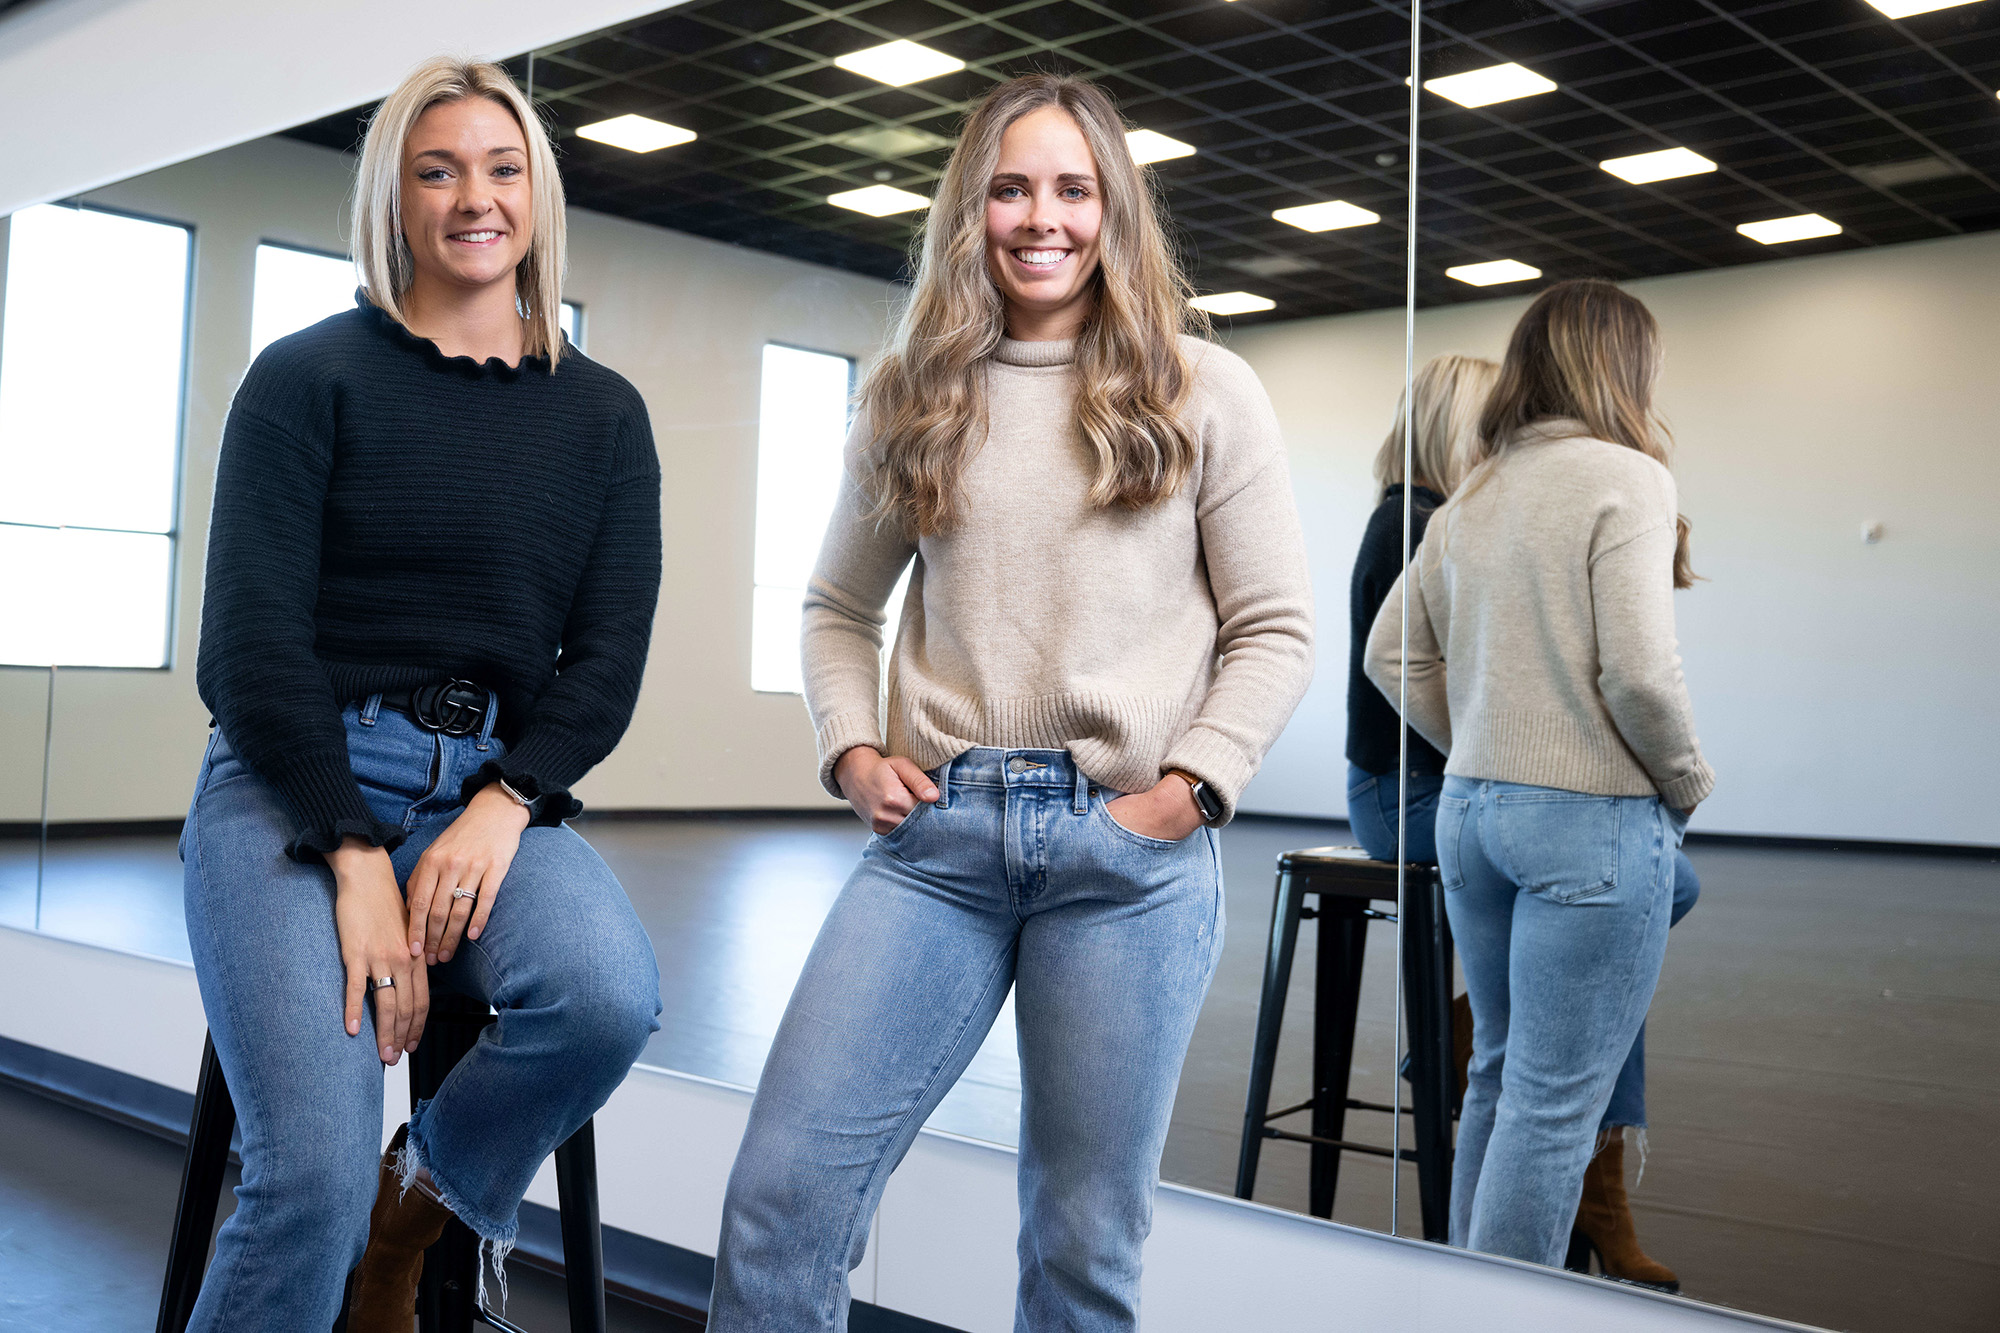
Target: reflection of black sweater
386	516
1371	718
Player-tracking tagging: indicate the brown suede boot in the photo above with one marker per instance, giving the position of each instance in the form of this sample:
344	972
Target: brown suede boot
403	1224
1604	1222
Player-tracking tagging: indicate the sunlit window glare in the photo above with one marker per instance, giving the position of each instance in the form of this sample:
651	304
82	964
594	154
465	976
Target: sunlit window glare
801	428
296	289
75	457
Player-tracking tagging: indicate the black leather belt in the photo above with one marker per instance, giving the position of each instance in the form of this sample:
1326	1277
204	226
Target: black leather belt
454	707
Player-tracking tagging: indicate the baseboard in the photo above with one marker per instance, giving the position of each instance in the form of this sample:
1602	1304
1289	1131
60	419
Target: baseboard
638	1269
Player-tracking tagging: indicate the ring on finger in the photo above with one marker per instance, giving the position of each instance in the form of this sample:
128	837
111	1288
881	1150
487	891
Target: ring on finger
465	893
381	983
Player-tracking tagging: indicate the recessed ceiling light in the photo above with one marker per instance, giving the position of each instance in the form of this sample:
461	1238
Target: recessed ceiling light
1902	9
638	134
1233	303
1776	231
899	63
1329	216
1483	87
1665	165
1152	146
1493	272
892	141
878	201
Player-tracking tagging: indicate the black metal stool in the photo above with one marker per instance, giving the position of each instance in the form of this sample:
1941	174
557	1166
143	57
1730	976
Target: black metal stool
446	1297
1347	885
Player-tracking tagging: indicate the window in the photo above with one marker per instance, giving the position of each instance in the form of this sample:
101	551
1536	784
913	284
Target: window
88	469
296	289
802	424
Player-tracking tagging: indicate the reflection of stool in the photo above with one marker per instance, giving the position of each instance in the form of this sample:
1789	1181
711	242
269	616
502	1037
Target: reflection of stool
446	1301
1346	883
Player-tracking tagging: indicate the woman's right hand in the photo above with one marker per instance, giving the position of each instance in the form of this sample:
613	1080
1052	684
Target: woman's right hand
368	912
882	791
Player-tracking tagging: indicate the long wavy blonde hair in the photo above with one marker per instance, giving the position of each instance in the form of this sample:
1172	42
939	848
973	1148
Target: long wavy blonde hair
382	254
1588	351
1450	392
925	398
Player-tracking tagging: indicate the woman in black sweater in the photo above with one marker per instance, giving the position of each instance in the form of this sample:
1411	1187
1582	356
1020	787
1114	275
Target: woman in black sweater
1450	390
432	568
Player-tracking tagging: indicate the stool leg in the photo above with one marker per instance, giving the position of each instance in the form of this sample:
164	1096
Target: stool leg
1285	908
201	1189
1343	942
1427	969
447	1292
583	1242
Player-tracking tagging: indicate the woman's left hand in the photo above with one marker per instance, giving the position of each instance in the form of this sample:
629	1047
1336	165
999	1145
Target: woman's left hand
1167	812
473	854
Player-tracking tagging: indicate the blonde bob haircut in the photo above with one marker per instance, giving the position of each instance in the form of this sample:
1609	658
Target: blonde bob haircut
382	254
1450	391
925	398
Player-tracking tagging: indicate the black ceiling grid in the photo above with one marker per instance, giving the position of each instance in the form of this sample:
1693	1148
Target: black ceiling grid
1890	128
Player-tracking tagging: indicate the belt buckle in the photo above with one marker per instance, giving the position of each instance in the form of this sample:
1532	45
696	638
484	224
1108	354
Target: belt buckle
456	707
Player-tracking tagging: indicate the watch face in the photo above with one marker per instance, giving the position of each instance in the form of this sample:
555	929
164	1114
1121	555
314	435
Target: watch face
1208	802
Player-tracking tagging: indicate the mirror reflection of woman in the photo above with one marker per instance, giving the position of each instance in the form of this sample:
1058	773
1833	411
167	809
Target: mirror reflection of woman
1450	390
432	568
1542	660
1107	624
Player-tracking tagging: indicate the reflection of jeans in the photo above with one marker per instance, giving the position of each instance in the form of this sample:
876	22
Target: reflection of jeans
1017	875
1628	1095
1371	813
563	958
1559	903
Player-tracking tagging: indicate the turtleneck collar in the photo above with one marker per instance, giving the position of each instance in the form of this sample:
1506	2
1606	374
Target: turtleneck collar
492	368
1057	352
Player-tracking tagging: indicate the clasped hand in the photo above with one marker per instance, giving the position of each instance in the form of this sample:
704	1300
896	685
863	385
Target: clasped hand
884	792
383	932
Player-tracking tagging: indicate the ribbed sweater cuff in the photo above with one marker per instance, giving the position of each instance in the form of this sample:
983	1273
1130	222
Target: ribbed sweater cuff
541	768
1690	790
1217	761
322	792
839	734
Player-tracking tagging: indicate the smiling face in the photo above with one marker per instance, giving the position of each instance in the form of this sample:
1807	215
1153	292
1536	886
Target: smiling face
1044	211
466	196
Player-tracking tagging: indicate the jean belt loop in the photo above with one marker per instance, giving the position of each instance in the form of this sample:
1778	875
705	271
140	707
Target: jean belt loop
492	716
369	710
1080	803
944	785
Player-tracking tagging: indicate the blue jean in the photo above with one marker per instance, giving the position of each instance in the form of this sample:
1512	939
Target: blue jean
1371	814
1628	1095
1016	876
1559	903
563	958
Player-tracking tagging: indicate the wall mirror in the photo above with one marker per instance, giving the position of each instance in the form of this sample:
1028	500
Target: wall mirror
1805	196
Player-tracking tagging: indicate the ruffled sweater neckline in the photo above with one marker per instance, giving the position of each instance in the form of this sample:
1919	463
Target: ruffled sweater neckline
492	368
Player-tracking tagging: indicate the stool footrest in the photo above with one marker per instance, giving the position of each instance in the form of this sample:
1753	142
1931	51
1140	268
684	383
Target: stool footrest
1352	1104
501	1322
1345	1145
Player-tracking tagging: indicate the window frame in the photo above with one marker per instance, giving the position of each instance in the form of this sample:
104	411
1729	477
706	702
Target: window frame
177	522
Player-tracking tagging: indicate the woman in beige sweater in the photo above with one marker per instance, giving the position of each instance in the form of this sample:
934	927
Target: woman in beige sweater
1108	622
1541	659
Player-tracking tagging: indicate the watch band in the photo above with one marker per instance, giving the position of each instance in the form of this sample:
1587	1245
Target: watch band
1206	802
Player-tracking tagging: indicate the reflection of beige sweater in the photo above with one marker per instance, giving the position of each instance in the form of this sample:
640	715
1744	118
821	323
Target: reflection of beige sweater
1177	636
1542	625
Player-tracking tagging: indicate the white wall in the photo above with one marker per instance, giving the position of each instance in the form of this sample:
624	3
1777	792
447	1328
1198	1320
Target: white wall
1841	690
112	88
684	319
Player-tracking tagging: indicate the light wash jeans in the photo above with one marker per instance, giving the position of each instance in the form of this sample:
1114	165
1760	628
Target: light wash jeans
1628	1095
1371	814
1559	903
1017	876
563	958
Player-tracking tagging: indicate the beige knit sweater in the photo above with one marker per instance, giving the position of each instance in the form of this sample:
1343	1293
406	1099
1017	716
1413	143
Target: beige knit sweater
1177	636
1542	625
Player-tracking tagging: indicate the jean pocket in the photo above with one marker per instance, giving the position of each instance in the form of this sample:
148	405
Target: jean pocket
1132	835
1453	812
1560	844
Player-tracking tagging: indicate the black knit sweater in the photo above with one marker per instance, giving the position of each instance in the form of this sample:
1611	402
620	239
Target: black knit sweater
387	516
1371	718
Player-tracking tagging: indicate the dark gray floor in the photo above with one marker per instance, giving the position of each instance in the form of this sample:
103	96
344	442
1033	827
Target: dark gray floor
86	1207
1822	1081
